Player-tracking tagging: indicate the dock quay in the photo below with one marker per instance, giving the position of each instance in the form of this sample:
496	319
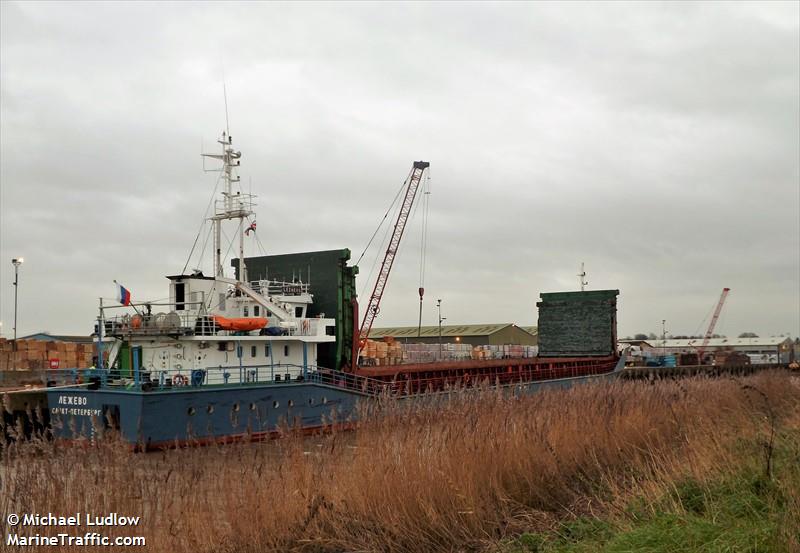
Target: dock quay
661	373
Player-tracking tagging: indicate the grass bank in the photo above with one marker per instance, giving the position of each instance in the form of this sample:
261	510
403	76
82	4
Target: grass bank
737	509
674	466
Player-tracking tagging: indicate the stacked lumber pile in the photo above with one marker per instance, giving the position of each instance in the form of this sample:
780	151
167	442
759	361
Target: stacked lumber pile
504	352
37	354
385	352
391	352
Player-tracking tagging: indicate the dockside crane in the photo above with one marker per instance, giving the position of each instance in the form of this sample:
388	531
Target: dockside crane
711	325
373	307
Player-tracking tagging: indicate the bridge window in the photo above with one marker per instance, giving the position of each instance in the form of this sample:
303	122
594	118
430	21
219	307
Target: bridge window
256	310
246	311
180	295
253	350
298	312
286	351
266	350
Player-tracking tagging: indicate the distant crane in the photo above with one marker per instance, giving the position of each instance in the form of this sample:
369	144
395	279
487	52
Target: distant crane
711	325
373	307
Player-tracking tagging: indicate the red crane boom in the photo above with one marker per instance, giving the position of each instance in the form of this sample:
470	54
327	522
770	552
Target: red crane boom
711	325
373	307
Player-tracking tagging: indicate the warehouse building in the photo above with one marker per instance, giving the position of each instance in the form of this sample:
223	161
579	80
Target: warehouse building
474	334
773	349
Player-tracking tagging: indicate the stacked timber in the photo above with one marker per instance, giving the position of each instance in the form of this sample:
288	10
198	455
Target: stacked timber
43	354
729	357
507	351
383	352
429	353
391	352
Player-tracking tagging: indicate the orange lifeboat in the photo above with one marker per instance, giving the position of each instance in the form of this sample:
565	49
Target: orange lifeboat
244	324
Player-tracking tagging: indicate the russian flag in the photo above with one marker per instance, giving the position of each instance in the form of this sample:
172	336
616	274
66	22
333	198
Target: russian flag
123	294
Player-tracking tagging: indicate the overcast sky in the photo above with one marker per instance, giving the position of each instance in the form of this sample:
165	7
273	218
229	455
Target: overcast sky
657	143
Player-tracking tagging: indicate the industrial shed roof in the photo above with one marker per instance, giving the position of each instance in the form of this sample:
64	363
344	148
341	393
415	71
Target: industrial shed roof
715	342
46	336
447	330
534	330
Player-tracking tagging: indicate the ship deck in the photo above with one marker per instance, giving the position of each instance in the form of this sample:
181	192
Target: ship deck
420	377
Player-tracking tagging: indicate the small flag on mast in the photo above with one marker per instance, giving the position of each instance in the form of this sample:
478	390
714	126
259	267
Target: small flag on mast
252	227
123	294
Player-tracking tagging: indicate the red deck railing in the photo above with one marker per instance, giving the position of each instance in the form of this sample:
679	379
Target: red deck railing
418	378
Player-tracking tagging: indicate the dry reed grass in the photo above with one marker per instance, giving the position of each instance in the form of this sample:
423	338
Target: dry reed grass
455	477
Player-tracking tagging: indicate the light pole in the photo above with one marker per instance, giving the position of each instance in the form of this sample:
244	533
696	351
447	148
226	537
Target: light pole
419	327
17	261
664	337
439	310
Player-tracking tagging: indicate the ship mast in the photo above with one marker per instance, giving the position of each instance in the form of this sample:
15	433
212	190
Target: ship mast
231	206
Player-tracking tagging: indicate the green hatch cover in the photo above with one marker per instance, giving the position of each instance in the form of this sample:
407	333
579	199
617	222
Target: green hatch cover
578	323
333	285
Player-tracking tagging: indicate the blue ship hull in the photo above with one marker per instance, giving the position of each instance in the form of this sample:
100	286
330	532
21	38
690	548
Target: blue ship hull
180	416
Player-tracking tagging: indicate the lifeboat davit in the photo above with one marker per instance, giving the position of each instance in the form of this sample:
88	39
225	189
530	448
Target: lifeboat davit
244	324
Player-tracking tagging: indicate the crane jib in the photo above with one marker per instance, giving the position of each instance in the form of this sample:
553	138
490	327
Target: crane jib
712	324
373	307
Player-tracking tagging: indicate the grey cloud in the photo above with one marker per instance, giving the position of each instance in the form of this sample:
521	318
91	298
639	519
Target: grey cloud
656	142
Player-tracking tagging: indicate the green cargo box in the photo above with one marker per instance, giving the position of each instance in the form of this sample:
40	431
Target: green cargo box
578	324
333	285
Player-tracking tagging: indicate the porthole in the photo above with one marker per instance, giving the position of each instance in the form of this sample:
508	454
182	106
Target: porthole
275	404
290	403
235	407
190	411
252	406
311	401
210	409
324	401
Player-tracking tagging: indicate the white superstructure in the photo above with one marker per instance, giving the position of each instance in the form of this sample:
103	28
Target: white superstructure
214	325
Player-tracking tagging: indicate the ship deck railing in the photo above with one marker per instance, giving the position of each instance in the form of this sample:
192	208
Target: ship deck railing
172	322
210	377
279	287
402	384
408	384
194	323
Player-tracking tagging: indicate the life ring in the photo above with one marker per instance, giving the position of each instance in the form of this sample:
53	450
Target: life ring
179	380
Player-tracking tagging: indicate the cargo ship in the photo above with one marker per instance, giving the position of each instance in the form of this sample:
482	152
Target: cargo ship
227	359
